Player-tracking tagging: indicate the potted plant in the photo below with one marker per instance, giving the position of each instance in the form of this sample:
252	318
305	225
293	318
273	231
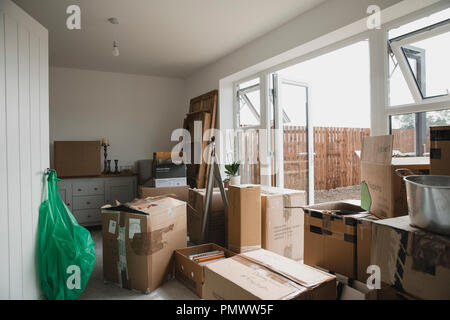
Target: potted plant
232	171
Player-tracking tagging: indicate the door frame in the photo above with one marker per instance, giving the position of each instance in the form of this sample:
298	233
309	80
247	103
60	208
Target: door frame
278	81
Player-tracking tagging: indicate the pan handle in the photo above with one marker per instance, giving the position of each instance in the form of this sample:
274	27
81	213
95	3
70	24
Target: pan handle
399	172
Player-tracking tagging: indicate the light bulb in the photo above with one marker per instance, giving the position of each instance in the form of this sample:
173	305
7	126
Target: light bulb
115	51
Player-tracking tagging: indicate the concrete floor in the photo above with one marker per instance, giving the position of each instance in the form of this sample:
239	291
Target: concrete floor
98	290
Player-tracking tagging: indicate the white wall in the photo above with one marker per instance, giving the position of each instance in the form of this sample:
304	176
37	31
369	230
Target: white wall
137	113
24	147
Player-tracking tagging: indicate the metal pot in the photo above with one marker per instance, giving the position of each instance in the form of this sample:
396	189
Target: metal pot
428	201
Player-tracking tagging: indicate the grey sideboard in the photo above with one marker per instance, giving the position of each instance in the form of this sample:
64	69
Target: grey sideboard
85	196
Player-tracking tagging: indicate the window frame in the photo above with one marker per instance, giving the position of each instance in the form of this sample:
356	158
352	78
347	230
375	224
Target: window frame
398	47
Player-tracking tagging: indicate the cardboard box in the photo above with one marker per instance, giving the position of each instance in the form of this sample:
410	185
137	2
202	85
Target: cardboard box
190	273
215	232
244	218
139	239
440	150
383	193
216	223
411	260
181	193
170	182
356	290
282	224
363	245
264	275
77	158
330	237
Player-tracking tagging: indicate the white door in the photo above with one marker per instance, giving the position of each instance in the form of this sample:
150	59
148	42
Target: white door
24	147
294	147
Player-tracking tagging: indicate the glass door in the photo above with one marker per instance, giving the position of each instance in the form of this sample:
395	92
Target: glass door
293	144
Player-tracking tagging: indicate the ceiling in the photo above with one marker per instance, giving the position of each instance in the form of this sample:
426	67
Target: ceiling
170	38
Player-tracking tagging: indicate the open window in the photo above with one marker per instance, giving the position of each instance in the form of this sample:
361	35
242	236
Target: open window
418	60
249	106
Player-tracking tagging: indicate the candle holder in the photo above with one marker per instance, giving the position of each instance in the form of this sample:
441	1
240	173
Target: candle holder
105	154
117	167
109	167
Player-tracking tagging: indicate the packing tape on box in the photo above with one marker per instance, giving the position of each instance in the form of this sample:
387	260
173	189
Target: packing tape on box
122	263
148	243
335	235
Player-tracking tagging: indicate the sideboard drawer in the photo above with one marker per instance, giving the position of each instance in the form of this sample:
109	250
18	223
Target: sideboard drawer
96	188
88	202
80	188
89	216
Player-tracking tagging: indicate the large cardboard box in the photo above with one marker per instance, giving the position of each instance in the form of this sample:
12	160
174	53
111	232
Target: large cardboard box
411	260
139	239
440	150
180	193
216	221
264	275
282	221
330	236
383	193
190	273
77	158
244	218
363	245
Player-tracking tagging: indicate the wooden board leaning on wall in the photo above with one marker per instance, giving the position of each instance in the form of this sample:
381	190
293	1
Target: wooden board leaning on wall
202	108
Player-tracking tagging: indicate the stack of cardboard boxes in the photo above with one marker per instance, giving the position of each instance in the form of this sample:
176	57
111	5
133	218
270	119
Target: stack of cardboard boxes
270	228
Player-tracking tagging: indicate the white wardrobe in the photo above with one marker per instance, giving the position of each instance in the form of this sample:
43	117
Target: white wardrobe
24	147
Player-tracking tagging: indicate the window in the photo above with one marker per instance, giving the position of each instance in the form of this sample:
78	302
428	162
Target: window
418	60
412	131
249	107
418	80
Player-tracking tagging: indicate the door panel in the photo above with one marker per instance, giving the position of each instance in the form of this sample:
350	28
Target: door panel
294	162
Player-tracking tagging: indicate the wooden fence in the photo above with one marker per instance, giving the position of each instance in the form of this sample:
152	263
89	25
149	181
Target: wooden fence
336	164
336	161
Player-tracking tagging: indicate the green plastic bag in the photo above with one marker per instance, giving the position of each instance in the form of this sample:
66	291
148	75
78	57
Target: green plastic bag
65	250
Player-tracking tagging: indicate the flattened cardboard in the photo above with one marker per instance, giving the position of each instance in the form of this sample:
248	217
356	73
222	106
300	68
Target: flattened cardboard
330	238
77	158
440	150
363	245
181	193
282	225
411	260
244	218
263	275
192	274
383	193
138	255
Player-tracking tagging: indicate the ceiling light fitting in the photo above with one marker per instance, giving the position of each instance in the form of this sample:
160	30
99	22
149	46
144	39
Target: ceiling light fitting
115	50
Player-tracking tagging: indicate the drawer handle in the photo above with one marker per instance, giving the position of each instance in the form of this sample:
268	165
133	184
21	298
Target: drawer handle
68	204
95	189
80	190
88	202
